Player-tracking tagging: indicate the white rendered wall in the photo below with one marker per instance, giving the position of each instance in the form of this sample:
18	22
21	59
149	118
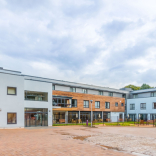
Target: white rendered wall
11	103
149	106
115	116
39	86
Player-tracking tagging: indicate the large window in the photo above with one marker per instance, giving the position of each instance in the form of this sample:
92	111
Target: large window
62	101
100	92
36	96
72	89
132	106
97	104
86	104
107	105
11	90
74	103
11	118
143	106
135	96
154	105
116	104
110	94
84	91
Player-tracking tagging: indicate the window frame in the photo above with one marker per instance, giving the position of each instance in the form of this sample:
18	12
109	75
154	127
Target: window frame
154	103
53	87
111	94
141	108
98	104
83	91
7	117
74	103
117	104
71	89
100	92
15	90
122	104
105	105
133	106
85	104
135	96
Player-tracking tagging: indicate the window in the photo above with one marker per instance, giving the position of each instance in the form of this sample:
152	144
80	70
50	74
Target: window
97	104
62	101
124	95
107	105
135	96
116	104
110	94
74	103
143	106
86	104
153	94
122	104
154	105
11	90
73	89
53	87
36	96
84	91
100	92
11	118
132	106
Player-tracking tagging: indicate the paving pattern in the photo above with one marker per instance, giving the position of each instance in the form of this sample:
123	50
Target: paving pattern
51	141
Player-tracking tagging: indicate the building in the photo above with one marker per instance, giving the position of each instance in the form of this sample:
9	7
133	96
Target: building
142	104
34	101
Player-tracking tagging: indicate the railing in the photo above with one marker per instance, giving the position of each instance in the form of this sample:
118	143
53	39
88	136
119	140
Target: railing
62	105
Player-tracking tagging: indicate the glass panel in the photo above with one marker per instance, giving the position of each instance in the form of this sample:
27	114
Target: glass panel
33	119
11	118
11	90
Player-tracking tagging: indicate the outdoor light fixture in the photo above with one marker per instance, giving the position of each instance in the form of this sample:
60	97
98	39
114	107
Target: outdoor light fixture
49	110
0	110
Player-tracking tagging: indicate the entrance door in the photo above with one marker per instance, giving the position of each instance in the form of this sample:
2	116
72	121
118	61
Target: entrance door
32	119
39	118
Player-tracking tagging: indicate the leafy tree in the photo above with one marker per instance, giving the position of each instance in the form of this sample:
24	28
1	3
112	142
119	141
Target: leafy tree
132	87
145	86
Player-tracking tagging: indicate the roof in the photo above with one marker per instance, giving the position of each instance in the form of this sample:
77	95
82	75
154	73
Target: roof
144	91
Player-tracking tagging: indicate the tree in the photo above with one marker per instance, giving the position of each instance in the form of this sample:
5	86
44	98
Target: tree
132	87
145	86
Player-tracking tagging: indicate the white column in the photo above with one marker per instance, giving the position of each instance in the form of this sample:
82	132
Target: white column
66	117
79	116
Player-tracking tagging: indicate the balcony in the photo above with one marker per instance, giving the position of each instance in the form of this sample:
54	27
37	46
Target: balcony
62	101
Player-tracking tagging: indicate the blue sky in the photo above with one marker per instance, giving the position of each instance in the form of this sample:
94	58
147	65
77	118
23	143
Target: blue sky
101	42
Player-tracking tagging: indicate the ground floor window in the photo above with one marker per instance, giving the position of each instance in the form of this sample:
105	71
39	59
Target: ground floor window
152	116
106	116
97	116
85	116
132	117
36	117
59	117
73	117
143	117
11	118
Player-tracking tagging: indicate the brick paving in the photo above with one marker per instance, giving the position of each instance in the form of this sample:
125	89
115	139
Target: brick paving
50	141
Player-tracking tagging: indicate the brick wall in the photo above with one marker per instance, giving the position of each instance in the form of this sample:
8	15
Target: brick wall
81	97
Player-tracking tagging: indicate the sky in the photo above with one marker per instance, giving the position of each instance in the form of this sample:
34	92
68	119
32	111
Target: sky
100	42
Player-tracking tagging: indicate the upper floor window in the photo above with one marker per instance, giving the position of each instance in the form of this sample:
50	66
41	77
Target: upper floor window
143	106
107	105
135	96
116	104
154	105
36	96
100	92
86	104
153	94
53	87
97	104
74	103
84	91
72	89
122	104
110	94
132	106
11	90
124	95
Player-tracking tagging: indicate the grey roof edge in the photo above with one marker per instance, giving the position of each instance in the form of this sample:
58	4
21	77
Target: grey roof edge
144	90
1	68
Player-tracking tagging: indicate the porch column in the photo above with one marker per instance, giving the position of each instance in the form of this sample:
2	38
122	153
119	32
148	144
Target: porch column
66	117
79	116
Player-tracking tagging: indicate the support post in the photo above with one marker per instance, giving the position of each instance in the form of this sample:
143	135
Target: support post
79	116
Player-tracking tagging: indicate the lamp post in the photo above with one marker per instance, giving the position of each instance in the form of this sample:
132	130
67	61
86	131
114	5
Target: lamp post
91	111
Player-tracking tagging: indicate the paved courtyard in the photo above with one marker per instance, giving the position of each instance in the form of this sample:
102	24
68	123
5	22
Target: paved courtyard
78	140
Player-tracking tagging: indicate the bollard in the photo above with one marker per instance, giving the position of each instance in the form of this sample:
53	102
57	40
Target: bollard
86	122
